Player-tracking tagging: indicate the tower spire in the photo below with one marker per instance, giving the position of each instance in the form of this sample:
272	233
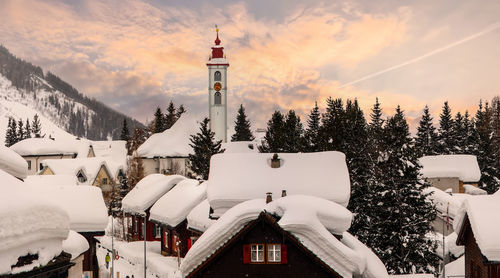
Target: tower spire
217	40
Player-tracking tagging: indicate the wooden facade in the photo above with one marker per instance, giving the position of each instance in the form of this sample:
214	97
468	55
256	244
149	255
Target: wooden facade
176	241
235	257
476	265
90	257
56	268
135	229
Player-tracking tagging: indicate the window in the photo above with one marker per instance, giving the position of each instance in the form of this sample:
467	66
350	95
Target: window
104	181
157	231
136	226
81	177
175	243
217	98
257	253
41	166
191	241
29	164
217	76
165	239
274	253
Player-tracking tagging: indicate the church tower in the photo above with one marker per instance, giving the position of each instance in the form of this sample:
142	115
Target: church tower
217	90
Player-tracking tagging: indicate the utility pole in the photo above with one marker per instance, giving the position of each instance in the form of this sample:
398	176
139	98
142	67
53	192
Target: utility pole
112	246
144	235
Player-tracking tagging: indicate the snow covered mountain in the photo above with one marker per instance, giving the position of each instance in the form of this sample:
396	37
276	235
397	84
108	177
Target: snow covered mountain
63	112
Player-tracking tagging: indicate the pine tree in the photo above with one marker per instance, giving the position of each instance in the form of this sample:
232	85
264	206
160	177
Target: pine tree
293	131
204	146
426	142
400	241
446	138
8	134
495	140
242	128
181	110
159	121
20	130
135	171
27	129
485	150
312	142
36	127
471	134
171	116
275	134
460	133
333	126
375	134
14	135
125	134
138	138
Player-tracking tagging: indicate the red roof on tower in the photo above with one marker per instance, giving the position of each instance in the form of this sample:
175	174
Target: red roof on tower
217	57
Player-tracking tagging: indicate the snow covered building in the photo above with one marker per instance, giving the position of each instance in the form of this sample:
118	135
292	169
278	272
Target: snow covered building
293	236
12	163
36	150
96	171
167	152
478	227
238	177
450	171
240	147
138	202
171	212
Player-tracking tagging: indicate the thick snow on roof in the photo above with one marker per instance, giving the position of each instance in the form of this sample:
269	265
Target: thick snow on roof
172	142
13	163
198	219
75	244
147	191
310	219
240	147
89	165
115	151
237	177
8	180
484	217
445	201
29	224
54	180
46	146
460	166
173	207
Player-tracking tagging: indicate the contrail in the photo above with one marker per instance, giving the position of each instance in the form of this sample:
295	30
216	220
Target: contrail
486	30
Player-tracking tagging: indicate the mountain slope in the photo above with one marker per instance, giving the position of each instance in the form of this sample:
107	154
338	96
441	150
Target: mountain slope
25	90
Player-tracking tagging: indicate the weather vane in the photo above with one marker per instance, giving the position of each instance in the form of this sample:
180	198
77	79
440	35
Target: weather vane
216	28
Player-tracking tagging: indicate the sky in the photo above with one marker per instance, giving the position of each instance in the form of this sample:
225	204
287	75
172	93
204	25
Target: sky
284	54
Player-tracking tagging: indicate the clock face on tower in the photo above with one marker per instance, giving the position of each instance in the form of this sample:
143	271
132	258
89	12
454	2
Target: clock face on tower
217	86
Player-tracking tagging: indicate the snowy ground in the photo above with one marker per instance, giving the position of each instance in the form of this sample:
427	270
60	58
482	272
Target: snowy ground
131	261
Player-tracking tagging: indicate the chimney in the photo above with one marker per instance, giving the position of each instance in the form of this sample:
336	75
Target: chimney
275	161
283	193
269	197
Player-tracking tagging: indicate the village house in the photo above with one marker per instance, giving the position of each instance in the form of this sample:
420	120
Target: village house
293	236
137	203
450	171
95	171
198	220
167	152
478	228
240	147
13	164
171	212
36	150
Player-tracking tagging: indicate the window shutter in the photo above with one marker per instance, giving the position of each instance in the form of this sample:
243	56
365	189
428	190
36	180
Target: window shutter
284	259
246	253
190	242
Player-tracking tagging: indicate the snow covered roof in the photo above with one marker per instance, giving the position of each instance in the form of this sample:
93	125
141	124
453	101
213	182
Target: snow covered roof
198	219
13	163
172	142
482	212
46	146
310	219
115	151
55	180
75	244
240	147
445	201
28	224
89	165
147	191
8	180
237	177
173	207
461	166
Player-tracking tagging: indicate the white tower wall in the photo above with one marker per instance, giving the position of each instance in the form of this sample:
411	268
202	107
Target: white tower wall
218	112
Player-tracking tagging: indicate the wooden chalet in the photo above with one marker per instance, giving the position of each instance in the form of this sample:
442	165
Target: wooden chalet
479	232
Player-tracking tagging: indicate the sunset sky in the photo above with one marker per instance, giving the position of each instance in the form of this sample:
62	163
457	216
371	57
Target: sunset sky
135	55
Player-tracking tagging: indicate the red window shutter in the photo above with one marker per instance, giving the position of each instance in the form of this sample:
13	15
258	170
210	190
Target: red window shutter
284	259
246	253
190	242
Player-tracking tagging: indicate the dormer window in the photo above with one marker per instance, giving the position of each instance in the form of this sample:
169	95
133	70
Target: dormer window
217	76
81	177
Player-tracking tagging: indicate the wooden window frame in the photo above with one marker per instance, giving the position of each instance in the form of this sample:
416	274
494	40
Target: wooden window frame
263	253
267	253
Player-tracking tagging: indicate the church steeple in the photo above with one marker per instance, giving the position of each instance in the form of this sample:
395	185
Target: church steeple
217	90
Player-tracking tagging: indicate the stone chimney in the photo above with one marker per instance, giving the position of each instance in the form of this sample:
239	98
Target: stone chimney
283	193
275	161
269	197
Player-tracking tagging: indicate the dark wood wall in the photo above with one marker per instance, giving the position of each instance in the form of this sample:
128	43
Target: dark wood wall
476	265
183	234
228	262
